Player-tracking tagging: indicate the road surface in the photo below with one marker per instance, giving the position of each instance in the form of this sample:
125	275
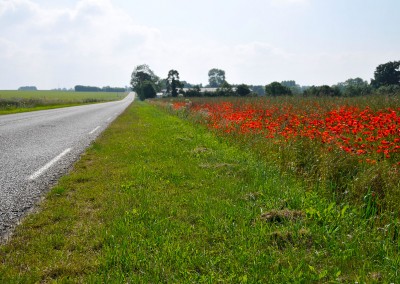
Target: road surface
37	148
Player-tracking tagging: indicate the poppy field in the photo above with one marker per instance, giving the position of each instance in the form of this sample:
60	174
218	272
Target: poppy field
348	146
374	135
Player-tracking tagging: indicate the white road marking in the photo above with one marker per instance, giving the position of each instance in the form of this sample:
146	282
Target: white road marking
39	172
94	130
108	119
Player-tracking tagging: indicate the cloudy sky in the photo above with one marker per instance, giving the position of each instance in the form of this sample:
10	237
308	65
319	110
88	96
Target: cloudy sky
51	44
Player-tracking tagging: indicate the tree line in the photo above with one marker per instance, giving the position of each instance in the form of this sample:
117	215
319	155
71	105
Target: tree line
80	88
146	84
27	88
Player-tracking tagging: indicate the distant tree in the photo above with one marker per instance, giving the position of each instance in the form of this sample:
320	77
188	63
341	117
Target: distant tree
243	90
387	74
27	88
186	85
161	84
216	77
354	87
147	90
311	91
356	82
224	90
80	88
113	89
322	91
291	84
195	91
140	75
277	89
173	83
259	90
326	90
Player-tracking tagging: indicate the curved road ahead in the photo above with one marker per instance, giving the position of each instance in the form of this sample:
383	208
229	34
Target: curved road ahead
36	148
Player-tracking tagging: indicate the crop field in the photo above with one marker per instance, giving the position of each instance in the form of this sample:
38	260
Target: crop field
350	147
21	101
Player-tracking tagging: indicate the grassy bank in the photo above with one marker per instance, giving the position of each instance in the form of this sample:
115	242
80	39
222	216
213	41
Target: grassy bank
23	101
157	199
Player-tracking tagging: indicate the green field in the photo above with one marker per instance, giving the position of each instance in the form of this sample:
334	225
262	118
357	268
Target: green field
22	101
158	199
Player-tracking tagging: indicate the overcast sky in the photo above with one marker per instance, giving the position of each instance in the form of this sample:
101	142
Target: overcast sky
63	43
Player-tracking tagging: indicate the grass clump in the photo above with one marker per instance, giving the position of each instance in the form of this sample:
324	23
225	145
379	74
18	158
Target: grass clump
159	200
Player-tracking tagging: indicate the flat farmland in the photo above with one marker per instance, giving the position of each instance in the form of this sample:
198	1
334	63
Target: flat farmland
22	101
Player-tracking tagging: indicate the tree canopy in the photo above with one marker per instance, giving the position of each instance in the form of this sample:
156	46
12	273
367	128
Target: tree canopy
277	89
289	83
194	91
225	90
148	90
387	74
322	91
293	86
80	88
27	88
354	87
243	90
141	77
173	83
216	77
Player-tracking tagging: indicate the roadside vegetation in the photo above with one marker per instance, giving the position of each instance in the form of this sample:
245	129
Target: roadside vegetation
350	147
22	101
159	198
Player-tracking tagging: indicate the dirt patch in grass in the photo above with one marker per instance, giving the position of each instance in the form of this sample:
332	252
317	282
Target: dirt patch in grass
199	150
280	216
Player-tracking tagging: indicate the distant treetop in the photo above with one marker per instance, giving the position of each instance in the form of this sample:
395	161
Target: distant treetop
216	77
387	74
27	88
80	88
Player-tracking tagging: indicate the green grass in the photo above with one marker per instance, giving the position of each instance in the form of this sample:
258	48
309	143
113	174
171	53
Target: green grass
23	101
157	199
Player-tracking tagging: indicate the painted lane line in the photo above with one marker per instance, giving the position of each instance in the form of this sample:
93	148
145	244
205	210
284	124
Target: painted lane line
39	172
94	130
108	119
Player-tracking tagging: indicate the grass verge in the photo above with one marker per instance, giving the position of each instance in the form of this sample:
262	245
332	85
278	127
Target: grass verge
157	199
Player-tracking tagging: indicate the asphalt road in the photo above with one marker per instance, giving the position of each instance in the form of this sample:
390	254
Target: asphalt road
37	148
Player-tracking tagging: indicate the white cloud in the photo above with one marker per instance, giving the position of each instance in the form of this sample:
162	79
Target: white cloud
79	45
